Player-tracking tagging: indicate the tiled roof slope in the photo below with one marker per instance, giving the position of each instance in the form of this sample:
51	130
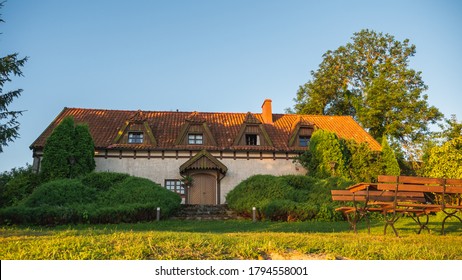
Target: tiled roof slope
105	124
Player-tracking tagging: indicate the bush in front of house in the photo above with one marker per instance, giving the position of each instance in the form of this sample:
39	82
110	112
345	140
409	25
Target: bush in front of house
17	184
94	198
286	198
62	192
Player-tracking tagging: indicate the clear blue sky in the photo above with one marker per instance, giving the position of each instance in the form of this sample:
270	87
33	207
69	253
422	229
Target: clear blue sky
213	56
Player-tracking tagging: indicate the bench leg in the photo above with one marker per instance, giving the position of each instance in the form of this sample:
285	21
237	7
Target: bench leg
353	219
423	225
449	215
391	222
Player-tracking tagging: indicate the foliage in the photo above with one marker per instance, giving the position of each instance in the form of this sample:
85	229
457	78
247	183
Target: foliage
388	162
94	198
68	151
61	192
329	156
362	163
324	157
370	79
17	184
10	65
444	161
83	152
103	181
451	129
286	198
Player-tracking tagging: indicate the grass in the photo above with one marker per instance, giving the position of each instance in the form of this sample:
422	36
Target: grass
239	239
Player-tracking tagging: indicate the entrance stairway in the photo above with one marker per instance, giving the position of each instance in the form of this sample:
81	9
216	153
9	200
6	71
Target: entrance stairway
204	212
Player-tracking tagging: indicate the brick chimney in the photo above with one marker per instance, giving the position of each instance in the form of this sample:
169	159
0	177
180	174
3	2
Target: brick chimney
267	112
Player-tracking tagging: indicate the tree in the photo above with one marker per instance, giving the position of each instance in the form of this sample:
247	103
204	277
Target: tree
444	161
388	162
451	129
370	80
361	161
68	151
84	151
10	65
324	158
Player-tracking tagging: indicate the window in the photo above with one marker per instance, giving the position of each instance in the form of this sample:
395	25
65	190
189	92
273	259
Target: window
195	139
135	137
303	141
175	186
252	140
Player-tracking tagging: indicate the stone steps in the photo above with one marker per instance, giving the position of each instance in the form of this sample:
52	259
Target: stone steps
204	212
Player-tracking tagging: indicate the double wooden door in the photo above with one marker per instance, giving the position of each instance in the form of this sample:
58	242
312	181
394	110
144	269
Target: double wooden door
203	190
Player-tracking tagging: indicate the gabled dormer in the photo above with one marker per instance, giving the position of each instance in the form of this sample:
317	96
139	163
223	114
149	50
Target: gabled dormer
136	130
195	131
252	133
301	133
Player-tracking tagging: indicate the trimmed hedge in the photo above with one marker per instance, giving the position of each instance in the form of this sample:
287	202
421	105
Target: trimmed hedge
94	198
286	198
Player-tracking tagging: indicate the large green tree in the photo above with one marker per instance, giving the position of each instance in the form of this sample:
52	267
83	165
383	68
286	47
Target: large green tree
371	80
68	151
10	65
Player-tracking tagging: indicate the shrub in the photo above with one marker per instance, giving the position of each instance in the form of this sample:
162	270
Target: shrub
103	180
135	190
444	161
256	191
94	198
286	198
17	184
61	192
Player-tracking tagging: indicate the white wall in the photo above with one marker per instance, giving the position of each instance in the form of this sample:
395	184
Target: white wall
157	169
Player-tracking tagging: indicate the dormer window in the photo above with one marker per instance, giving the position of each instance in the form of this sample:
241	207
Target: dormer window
252	140
135	137
195	139
303	141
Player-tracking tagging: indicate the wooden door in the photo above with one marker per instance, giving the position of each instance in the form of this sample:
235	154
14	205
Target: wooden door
203	190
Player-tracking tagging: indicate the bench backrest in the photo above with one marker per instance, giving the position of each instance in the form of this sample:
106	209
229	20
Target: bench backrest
420	184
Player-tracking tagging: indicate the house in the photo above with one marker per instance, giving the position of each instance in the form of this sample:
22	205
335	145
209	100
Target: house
216	150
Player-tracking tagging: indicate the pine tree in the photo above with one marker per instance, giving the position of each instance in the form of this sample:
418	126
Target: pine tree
84	151
10	65
58	151
389	163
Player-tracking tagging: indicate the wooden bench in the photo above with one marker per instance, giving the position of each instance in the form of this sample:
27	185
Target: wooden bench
369	199
395	196
441	194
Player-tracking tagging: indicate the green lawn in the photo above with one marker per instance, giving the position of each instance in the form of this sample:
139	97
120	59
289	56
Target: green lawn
240	239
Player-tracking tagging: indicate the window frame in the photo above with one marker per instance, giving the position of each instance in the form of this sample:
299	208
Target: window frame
252	139
135	137
195	139
175	185
306	139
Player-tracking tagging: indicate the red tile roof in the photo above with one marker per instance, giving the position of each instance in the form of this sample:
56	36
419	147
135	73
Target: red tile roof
105	124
